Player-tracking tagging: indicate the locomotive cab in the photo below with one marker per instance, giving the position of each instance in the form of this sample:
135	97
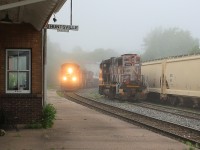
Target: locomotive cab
121	78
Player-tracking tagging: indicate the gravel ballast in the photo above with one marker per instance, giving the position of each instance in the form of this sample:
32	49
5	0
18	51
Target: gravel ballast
183	121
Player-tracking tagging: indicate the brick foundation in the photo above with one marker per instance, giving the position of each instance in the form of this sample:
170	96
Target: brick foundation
26	108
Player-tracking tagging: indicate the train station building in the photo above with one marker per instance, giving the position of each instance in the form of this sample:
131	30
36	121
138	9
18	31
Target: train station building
23	56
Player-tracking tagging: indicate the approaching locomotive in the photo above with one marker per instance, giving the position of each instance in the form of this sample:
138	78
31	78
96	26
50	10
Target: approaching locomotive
121	78
71	77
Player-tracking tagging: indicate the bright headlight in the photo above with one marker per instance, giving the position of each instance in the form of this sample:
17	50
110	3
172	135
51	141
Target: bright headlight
74	78
70	70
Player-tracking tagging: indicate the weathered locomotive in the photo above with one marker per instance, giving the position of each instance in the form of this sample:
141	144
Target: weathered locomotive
120	77
175	80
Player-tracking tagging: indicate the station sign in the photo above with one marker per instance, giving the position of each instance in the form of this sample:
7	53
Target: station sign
62	28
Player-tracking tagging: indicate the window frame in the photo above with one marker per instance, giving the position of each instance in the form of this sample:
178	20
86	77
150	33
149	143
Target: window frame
18	91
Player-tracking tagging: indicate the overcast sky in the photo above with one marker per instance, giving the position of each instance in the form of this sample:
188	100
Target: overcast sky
122	24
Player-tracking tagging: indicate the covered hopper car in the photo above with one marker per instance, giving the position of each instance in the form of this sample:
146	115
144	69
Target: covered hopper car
174	80
120	77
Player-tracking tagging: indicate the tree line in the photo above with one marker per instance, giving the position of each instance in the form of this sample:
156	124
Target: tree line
161	43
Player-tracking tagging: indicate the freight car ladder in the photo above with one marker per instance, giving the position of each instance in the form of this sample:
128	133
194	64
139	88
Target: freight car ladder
163	81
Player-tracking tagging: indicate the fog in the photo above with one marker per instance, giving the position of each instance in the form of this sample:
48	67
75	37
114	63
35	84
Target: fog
107	28
122	25
86	60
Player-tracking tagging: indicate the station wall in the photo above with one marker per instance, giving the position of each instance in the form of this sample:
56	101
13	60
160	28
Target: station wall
26	107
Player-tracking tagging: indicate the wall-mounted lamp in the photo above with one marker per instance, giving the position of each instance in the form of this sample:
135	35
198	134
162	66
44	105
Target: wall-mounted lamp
6	19
54	18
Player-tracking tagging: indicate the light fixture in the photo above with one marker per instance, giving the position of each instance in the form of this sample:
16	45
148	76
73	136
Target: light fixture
54	18
6	19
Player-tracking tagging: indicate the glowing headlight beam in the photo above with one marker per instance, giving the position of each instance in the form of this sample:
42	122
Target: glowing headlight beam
74	78
70	70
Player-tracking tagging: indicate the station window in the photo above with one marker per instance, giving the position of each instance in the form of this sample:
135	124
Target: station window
18	70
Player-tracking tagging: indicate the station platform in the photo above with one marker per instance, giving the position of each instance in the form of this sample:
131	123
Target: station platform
80	128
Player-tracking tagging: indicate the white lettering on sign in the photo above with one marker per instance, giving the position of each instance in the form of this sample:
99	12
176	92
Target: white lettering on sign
62	28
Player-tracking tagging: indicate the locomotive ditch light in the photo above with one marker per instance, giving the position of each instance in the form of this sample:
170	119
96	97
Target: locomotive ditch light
74	78
70	70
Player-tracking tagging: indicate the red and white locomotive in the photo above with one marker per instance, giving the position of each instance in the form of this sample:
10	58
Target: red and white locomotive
120	77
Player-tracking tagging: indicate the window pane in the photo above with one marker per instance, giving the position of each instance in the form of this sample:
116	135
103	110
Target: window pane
18	71
23	60
12	60
23	80
12	81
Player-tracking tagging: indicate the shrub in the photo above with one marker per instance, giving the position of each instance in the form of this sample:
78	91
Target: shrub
190	145
34	125
48	116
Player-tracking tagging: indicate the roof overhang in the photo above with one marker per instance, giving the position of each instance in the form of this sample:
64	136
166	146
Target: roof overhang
35	12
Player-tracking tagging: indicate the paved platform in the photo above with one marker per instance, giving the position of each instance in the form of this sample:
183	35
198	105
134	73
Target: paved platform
80	128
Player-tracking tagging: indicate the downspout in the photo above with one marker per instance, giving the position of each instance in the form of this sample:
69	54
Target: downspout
44	61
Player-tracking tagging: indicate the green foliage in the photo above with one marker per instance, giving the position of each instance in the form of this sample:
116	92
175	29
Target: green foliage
48	116
169	42
60	94
34	125
190	145
197	145
195	50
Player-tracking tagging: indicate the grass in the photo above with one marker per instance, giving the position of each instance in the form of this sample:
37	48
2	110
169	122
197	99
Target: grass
59	94
191	146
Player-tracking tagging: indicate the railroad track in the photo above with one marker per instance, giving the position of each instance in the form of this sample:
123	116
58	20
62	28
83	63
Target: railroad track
167	109
182	133
182	112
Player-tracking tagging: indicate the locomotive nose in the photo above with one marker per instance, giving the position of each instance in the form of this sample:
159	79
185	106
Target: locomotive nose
70	70
74	78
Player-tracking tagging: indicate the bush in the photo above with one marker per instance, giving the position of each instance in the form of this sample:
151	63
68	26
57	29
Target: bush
48	116
34	125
